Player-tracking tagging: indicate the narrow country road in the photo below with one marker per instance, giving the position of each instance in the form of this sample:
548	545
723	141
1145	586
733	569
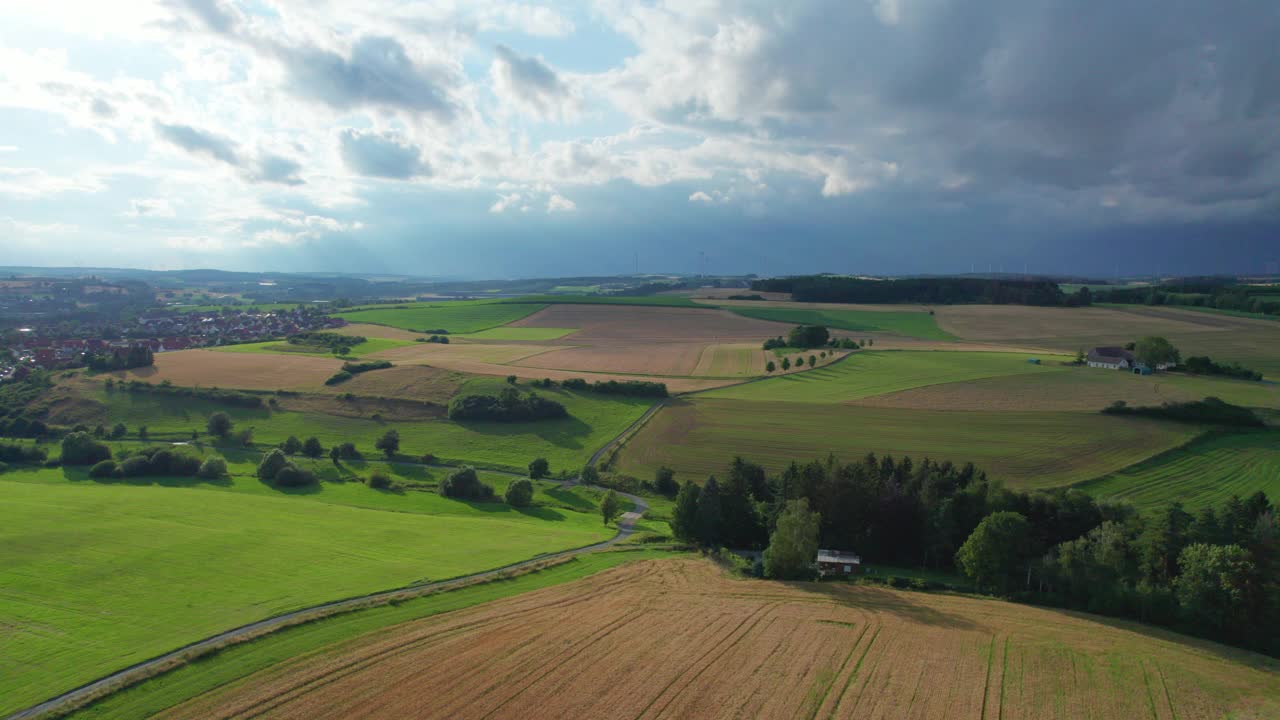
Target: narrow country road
160	664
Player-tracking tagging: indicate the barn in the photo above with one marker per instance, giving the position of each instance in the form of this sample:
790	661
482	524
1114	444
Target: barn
837	563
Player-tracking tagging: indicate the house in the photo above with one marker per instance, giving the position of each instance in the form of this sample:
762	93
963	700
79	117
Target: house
837	562
1111	358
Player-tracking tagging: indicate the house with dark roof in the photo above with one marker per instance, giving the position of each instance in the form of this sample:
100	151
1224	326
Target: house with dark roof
1111	358
837	562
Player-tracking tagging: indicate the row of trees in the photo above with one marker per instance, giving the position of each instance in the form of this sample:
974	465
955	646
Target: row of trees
770	366
933	291
507	406
1218	570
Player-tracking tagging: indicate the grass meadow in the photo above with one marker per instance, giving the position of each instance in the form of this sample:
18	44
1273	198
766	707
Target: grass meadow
99	575
520	333
456	316
875	372
1026	449
911	324
566	443
1205	472
371	345
651	300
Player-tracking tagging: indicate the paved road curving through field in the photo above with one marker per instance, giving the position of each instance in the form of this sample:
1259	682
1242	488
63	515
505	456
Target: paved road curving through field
160	664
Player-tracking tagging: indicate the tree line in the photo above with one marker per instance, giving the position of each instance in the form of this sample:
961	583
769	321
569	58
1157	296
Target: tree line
945	516
134	356
509	405
933	291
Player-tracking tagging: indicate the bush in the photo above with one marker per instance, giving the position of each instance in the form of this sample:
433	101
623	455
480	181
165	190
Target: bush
312	448
339	377
271	464
589	475
520	493
465	484
509	406
629	388
539	468
664	481
104	469
293	476
220	425
1210	410
808	336
79	448
357	368
22	454
135	466
291	445
378	480
213	467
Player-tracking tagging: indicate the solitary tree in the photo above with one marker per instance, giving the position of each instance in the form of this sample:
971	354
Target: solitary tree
995	551
291	445
709	519
794	544
511	379
539	468
118	431
813	362
220	425
664	481
770	367
589	475
312	448
1154	351
800	361
335	454
786	364
519	493
142	432
389	443
610	507
272	463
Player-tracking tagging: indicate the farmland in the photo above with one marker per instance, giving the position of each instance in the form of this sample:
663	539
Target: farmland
250	371
675	638
911	324
866	373
1205	473
458	316
1026	449
137	570
368	346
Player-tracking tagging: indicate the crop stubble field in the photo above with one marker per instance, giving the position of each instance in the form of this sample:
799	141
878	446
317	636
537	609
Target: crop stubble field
677	639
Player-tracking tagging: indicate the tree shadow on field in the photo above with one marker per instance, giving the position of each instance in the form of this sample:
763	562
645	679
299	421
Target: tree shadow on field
570	432
890	602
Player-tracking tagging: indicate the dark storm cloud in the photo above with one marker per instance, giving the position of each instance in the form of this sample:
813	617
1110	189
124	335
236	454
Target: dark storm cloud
200	142
383	156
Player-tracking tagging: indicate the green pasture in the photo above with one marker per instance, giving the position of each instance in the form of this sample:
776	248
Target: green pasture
566	443
520	333
866	373
232	664
369	346
457	316
100	575
1206	472
910	324
699	436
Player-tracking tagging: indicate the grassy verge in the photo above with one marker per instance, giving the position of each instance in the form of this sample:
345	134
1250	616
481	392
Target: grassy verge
911	324
227	666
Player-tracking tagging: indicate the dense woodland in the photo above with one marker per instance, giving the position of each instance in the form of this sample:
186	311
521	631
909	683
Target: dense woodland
1216	573
1217	293
931	291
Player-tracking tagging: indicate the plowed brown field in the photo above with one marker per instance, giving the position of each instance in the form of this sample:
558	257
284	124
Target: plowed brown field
250	371
658	359
677	639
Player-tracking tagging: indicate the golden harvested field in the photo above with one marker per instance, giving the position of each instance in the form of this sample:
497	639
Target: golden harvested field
457	352
409	382
250	371
643	359
678	639
1083	389
639	324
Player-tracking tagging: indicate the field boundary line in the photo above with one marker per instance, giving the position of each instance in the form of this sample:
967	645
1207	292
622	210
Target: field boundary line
86	693
839	671
620	439
854	673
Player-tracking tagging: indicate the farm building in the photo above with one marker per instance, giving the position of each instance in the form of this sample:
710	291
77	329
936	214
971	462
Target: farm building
837	562
1111	358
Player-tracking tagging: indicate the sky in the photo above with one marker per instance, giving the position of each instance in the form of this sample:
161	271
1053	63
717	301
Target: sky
495	138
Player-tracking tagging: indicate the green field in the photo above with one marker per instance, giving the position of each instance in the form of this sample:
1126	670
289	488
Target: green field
458	316
1205	472
520	333
371	345
698	437
566	443
97	576
875	372
911	324
656	300
227	666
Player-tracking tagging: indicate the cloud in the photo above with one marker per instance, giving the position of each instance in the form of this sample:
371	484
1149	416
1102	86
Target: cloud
504	202
559	203
278	169
298	228
150	207
529	19
701	197
34	182
381	155
8	148
200	142
195	244
531	85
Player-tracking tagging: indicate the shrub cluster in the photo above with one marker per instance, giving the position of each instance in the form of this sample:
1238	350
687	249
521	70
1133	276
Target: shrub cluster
78	448
366	366
630	388
277	469
339	377
22	454
465	484
1211	410
234	398
120	358
1203	365
23	427
331	340
507	406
